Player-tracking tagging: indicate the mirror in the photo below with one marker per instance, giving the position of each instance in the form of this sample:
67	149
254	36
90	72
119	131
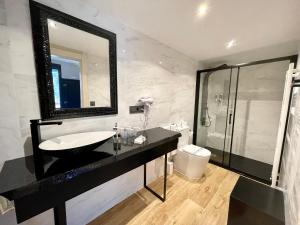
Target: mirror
80	72
76	65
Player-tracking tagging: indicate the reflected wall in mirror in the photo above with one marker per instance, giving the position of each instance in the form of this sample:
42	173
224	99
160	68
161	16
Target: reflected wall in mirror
76	65
80	67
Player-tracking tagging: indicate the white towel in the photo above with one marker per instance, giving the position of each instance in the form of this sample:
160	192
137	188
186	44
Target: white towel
139	140
5	205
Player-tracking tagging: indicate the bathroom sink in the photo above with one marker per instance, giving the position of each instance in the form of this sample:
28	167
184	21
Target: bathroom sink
75	144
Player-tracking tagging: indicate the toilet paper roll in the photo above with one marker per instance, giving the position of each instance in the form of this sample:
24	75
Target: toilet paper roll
191	134
170	168
5	205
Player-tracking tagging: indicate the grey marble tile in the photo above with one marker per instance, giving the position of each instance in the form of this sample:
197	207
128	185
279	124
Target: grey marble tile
2	16
2	5
290	171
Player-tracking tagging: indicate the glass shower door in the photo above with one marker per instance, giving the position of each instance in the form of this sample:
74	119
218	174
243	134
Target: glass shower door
215	114
258	107
238	114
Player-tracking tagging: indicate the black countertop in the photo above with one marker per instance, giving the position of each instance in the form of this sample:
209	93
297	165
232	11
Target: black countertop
19	177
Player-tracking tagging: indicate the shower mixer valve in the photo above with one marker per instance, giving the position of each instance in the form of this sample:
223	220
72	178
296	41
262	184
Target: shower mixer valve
219	98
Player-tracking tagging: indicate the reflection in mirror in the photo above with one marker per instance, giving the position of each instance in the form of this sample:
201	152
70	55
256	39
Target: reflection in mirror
80	67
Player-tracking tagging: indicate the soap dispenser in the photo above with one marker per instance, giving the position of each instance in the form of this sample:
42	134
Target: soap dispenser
116	129
116	138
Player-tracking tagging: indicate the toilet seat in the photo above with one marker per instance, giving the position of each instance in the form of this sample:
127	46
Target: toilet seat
196	150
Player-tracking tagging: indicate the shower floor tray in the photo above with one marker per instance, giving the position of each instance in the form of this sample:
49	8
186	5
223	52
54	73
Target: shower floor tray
249	167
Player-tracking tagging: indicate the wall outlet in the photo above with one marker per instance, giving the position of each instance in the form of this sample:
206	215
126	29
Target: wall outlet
136	109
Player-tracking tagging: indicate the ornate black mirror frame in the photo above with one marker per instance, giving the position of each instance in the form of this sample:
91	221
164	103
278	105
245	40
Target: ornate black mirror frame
39	16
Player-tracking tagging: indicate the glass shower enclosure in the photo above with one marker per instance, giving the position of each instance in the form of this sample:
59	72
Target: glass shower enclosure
237	114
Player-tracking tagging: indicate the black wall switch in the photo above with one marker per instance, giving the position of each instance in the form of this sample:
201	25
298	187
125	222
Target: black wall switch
136	109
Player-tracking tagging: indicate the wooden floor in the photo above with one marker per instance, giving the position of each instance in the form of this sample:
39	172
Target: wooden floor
188	203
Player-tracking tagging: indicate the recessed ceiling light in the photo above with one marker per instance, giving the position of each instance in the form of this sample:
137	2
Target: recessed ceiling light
124	50
160	62
52	24
231	43
202	9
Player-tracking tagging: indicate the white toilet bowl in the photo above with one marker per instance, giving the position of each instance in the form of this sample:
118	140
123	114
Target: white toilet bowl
191	160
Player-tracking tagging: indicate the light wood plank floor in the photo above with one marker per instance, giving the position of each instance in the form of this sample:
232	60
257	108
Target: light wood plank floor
204	202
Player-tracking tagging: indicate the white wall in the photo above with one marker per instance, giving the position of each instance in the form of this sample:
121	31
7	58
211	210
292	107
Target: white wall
290	169
98	80
145	68
68	70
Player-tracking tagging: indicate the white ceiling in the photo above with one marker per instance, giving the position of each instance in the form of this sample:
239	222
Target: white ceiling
253	23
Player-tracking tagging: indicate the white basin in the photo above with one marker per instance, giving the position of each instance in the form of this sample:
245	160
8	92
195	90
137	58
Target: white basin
75	142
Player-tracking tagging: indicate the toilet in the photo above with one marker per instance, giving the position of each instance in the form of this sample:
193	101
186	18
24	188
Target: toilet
189	160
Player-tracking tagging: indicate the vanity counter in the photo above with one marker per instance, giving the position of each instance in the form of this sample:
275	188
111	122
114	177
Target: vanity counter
63	179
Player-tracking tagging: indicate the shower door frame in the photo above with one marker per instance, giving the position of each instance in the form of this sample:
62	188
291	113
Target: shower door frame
291	58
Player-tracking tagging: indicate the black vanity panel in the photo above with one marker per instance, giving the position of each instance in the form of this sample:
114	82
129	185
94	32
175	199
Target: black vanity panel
253	203
19	180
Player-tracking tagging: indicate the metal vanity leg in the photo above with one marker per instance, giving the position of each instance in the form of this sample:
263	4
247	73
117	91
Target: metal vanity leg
60	217
165	181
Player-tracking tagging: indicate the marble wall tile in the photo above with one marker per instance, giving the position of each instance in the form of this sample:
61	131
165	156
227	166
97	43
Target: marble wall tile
2	4
109	197
2	16
10	138
289	178
21	53
145	68
98	80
